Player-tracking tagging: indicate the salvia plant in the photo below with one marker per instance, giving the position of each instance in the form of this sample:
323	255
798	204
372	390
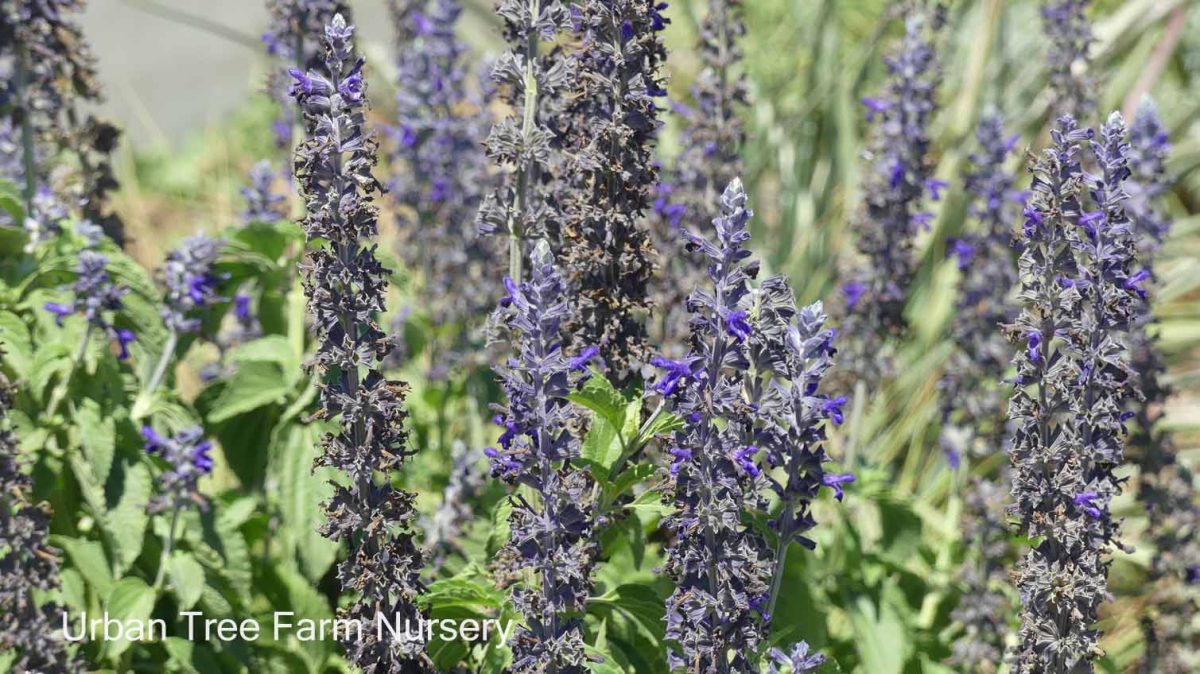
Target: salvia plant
440	174
897	179
711	140
727	574
28	565
1165	486
613	121
49	75
1069	43
345	285
530	76
974	426
614	446
1080	291
551	533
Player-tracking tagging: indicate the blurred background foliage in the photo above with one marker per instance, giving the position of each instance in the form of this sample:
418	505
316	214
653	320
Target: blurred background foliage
877	593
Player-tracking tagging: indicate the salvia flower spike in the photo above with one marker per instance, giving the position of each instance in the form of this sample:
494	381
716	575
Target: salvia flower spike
188	456
346	285
607	253
191	282
49	71
1073	385
552	538
720	567
531	79
898	178
96	297
1165	484
29	627
293	40
263	202
440	174
974	423
1068	59
709	158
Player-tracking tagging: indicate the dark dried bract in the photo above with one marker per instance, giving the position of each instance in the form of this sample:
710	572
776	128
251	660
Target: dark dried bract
346	287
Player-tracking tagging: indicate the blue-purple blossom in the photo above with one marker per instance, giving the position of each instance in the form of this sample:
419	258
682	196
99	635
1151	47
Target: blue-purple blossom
97	297
1066	410
293	39
551	535
346	289
720	566
189	457
191	282
263	202
896	180
799	660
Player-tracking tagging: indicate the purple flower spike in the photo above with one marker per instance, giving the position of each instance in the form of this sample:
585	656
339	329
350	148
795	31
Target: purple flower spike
1085	500
60	311
187	457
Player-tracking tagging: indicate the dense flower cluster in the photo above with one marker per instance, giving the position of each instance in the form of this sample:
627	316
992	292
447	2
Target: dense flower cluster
552	539
28	566
523	144
96	295
720	566
346	286
897	177
440	172
709	158
447	524
1080	291
263	203
1070	39
48	68
191	282
613	124
1165	485
797	661
790	352
973	400
292	40
188	459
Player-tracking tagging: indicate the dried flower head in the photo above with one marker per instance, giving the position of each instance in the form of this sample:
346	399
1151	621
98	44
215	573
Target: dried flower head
346	285
28	566
613	123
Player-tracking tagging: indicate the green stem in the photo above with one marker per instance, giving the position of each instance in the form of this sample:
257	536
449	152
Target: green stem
161	576
27	140
60	391
160	370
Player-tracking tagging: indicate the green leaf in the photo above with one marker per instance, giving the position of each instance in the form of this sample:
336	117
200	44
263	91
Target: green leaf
130	600
11	201
461	592
880	637
649	503
253	385
126	522
665	422
187	579
97	438
602	446
87	557
301	490
269	349
17	345
188	656
599	396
